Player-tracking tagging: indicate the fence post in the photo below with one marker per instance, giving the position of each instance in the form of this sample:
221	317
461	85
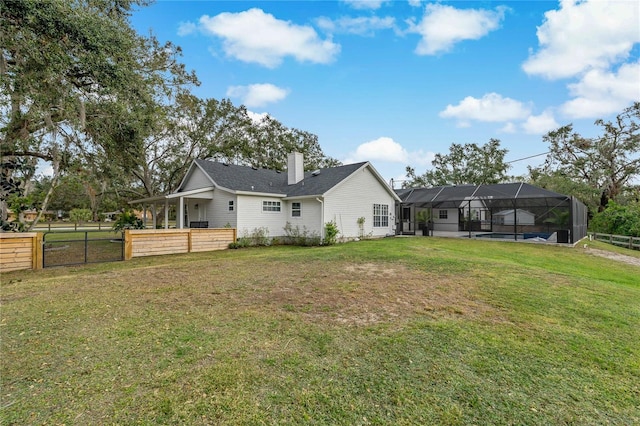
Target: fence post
128	245
37	259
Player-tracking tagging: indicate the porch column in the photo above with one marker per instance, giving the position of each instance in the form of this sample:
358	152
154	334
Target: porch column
180	218
166	213
153	215
469	221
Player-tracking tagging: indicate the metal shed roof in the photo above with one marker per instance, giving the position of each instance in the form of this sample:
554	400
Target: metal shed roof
498	194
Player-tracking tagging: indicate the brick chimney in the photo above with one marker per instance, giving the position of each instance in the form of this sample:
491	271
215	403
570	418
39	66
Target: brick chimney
295	168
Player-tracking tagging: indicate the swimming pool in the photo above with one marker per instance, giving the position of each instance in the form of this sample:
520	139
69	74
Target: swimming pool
512	236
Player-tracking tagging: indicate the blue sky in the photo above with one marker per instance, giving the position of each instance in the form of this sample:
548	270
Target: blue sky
394	82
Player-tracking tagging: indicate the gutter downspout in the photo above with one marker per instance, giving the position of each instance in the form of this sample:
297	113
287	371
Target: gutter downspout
321	217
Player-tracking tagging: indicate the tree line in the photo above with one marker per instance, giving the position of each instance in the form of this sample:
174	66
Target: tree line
111	112
113	115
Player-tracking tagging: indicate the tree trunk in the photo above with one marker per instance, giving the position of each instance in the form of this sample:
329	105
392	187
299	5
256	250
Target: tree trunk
55	162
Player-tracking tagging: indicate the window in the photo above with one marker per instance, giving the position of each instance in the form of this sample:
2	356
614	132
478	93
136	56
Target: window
296	209
380	215
271	206
443	214
231	205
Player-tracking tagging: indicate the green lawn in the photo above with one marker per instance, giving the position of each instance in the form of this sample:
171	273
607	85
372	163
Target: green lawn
401	331
68	247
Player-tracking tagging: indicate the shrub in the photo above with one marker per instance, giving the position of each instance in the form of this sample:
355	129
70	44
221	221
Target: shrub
618	219
330	233
257	237
300	237
361	225
80	215
127	220
260	236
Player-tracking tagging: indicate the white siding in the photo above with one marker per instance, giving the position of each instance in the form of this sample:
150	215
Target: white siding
250	215
450	224
311	216
218	213
196	179
354	198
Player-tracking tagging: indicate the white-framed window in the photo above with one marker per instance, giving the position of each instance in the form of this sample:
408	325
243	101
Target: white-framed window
443	214
296	209
380	215
271	206
231	206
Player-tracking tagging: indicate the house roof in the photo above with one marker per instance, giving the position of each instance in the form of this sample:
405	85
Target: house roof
489	194
248	179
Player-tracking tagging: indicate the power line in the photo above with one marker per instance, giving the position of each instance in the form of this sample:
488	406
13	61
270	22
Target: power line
526	158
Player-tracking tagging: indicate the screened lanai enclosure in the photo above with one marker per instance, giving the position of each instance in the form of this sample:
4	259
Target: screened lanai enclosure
516	211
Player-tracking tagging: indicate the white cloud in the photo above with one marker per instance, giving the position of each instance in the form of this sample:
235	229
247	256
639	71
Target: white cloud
509	128
186	28
257	117
444	26
600	93
362	25
540	124
385	149
415	3
257	95
255	36
583	35
365	4
492	107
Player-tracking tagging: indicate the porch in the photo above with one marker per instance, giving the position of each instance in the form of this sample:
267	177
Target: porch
180	201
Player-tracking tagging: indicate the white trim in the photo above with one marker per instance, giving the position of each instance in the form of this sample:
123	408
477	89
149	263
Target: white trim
175	195
192	192
299	209
302	197
148	200
260	194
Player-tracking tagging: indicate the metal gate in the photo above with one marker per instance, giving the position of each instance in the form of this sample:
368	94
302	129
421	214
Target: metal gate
65	248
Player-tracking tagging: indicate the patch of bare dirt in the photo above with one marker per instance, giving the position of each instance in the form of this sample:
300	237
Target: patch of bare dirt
614	256
344	293
362	294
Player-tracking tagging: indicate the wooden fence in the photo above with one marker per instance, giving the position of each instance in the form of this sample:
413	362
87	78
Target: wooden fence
24	250
151	242
618	240
20	251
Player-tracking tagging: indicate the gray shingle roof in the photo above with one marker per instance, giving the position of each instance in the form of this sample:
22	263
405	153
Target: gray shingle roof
245	178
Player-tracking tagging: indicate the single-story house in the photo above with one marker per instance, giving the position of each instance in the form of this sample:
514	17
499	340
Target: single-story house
216	195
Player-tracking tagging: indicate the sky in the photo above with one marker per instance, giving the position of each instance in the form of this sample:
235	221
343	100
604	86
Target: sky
395	82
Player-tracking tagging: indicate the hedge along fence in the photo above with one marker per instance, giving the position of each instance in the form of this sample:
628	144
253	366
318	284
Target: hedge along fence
152	242
20	251
24	250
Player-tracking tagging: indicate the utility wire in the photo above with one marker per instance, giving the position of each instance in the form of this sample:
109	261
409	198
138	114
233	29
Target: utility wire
526	158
